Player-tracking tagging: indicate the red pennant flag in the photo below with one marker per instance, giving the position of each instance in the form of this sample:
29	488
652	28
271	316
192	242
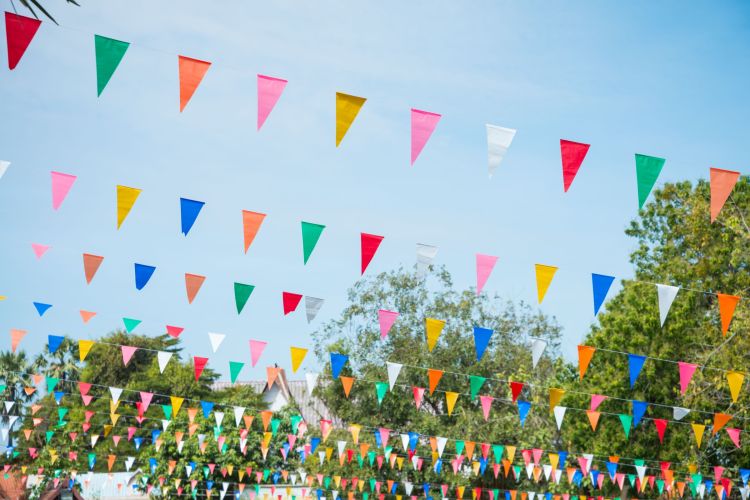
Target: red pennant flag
661	426
727	304
515	389
174	331
192	72
370	244
291	301
91	265
722	183
193	283
572	154
19	30
200	364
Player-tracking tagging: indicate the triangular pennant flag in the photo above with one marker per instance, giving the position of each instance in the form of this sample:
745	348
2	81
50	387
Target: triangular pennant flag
251	222
143	274
481	340
661	427
216	339
39	249
127	353
486	402
54	342
679	413
41	308
596	400
450	400
559	412
312	307
269	91
19	31
162	358
727	304
537	349
174	331
600	284
735	380
86	316
235	367
434	377
647	170
544	275
734	435
593	416
485	265
256	349
555	396
423	123
61	184
515	390
290	301
585	353
126	197
499	140
572	154
666	295
635	365
698	430
242	292
627	423
369	244
3	167
433	329
425	255
191	73
200	364
189	210
393	370
311	380
346	383
337	363
298	355
639	409
523	411
347	109
91	264
386	320
130	324
193	283
15	338
722	183
310	235
109	53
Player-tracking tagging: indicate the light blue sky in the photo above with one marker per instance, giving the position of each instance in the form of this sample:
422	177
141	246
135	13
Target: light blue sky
666	79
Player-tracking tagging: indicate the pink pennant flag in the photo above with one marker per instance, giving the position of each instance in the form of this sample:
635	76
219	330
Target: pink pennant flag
131	433
485	265
596	400
84	388
686	375
61	184
384	434
39	249
423	123
418	394
256	349
386	320
127	353
146	398
486	405
269	91
734	435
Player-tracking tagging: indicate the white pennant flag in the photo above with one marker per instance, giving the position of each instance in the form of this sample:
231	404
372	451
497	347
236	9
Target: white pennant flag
164	424
179	446
201	438
219	416
3	167
558	475
334	494
94	439
641	469
312	381
405	442
529	470
303	475
498	142
441	441
341	446
679	413
531	495
239	411
559	415
294	479
425	255
216	339
408	487
537	349
4	435
222	494
393	370
666	294
547	471
12	420
224	485
188	470
163	358
116	392
701	489
744	491
129	463
8	406
322	457
312	306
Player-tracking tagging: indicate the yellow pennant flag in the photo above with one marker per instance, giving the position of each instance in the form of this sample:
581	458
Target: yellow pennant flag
735	379
544	275
698	430
450	400
511	451
433	327
400	462
554	459
555	396
114	417
176	404
107	429
298	355
354	429
84	346
347	109
329	452
267	438
460	491
126	197
113	405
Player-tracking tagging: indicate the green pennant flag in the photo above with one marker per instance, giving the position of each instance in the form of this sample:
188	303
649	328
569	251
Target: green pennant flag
52	383
234	370
639	462
381	388
371	457
241	294
627	422
48	435
360	460
217	431
647	170
660	485
296	419
631	479
387	452
476	383
61	412
310	236
206	471
459	447
266	473
327	482
109	53
3	387
372	483
167	409
497	450
275	422
130	324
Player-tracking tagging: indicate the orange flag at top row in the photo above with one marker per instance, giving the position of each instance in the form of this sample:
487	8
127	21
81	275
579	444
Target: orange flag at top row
192	72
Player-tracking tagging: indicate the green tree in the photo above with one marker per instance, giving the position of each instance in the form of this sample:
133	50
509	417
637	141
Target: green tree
33	5
15	376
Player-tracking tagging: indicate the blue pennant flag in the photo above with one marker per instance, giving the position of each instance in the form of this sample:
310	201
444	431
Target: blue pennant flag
600	284
481	340
314	442
577	477
744	474
189	210
155	435
275	477
709	486
393	488
41	308
639	409
507	495
635	363
302	455
143	273
54	342
209	485
337	363
58	396
413	440
92	460
482	465
152	464
137	441
612	469
594	477
563	457
438	466
523	410
207	406
378	439
426	488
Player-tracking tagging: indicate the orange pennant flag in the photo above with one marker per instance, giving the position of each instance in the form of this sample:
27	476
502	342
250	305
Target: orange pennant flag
15	338
110	462
727	304
192	72
722	183
593	418
193	283
435	376
720	420
251	222
347	383
272	372
86	316
585	353
266	417
91	265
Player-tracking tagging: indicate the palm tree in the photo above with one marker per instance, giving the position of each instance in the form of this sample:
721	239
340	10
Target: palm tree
15	375
60	364
30	4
